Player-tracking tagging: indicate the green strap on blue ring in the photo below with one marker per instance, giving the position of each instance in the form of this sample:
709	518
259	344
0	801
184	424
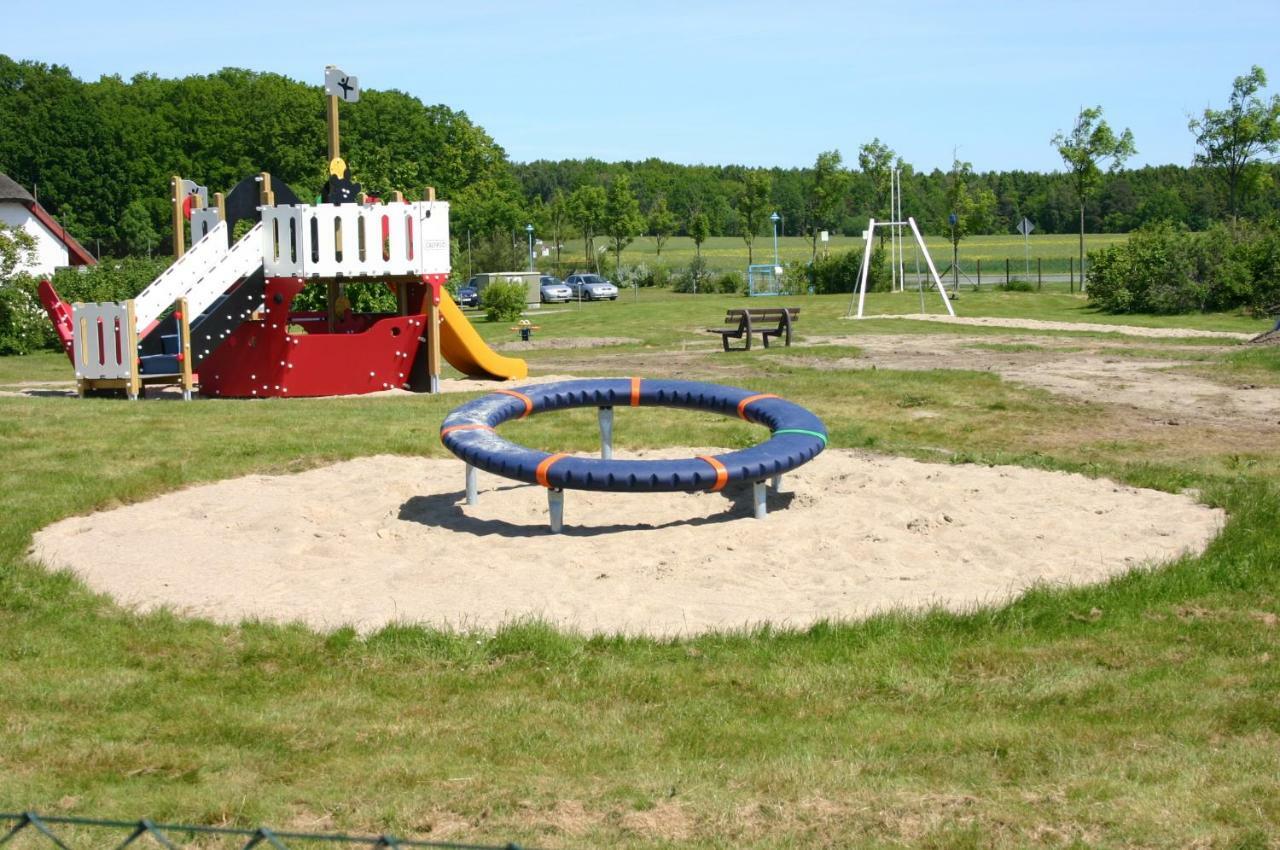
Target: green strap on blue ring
818	434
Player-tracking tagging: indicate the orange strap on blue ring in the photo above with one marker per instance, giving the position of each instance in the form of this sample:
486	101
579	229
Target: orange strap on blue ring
635	392
742	405
528	402
545	467
446	431
722	474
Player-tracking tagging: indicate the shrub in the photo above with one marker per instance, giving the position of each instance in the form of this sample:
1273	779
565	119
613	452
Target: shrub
840	272
24	326
1017	285
693	279
502	301
727	283
1164	269
110	280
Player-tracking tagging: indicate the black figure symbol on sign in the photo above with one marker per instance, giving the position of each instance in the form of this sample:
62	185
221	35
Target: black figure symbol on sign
345	83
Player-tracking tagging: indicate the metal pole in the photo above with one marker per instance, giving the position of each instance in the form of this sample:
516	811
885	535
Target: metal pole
472	486
774	219
933	271
528	228
555	506
606	433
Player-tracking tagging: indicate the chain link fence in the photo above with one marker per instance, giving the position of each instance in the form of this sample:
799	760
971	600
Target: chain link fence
72	833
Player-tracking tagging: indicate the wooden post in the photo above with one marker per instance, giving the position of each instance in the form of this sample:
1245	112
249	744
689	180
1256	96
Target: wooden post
134	388
979	286
433	343
333	127
431	194
1006	271
221	203
332	311
266	197
1071	273
184	346
1039	275
179	223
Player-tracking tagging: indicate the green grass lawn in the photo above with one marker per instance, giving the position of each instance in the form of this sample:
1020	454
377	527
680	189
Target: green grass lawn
1138	713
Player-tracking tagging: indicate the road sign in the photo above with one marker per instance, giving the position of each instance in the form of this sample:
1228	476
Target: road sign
1025	226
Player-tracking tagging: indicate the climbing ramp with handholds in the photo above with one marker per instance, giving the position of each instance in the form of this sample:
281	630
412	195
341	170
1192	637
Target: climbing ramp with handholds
470	432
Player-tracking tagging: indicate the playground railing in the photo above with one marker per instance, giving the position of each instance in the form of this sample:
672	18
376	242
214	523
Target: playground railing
350	240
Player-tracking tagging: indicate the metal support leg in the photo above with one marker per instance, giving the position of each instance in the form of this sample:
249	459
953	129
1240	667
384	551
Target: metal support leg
555	503
777	483
606	433
473	493
758	491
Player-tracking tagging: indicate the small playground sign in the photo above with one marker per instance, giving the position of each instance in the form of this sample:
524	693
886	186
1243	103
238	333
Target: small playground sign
338	83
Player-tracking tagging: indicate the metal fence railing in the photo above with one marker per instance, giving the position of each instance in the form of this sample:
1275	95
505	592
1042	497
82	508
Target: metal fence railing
174	836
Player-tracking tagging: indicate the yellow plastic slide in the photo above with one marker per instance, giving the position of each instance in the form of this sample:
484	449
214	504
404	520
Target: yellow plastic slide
463	347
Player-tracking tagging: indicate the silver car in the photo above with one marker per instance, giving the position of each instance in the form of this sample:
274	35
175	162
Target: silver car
591	287
553	290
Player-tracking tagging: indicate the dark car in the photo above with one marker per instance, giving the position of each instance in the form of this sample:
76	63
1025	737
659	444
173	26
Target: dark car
469	294
554	289
591	287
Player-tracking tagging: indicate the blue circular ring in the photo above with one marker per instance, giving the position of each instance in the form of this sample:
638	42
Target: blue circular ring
797	436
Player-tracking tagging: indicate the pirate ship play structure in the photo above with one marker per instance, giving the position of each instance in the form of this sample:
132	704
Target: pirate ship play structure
220	318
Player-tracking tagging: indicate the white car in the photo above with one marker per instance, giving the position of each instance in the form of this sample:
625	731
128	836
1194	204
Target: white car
591	287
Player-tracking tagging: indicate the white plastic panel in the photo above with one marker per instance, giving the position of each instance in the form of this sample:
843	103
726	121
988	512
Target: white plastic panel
347	240
100	343
241	260
203	219
433	224
181	277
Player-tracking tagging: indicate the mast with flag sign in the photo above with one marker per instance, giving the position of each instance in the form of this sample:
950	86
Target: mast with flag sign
338	85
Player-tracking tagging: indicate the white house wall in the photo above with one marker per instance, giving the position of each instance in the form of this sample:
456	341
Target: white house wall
51	253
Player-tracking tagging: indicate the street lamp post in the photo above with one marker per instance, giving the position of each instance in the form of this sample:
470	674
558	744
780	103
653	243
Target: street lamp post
774	219
528	228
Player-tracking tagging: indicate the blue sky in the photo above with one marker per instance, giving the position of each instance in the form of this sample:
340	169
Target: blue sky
716	82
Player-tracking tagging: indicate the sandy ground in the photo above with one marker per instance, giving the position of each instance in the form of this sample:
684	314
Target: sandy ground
1161	388
1092	327
387	539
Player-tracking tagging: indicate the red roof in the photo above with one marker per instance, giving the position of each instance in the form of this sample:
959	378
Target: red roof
12	191
76	253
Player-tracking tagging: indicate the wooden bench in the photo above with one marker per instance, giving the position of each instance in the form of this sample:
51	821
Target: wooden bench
766	321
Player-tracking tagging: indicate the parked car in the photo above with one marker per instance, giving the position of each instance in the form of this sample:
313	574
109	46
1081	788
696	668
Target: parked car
469	295
554	290
591	287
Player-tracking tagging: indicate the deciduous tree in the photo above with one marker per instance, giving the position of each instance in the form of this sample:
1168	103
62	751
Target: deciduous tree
1231	140
662	223
699	230
828	188
622	219
1089	143
753	207
970	209
586	210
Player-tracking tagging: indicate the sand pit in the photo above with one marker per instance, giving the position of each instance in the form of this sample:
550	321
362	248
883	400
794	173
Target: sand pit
389	539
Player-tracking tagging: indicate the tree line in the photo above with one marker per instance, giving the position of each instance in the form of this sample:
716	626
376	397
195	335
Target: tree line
100	154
